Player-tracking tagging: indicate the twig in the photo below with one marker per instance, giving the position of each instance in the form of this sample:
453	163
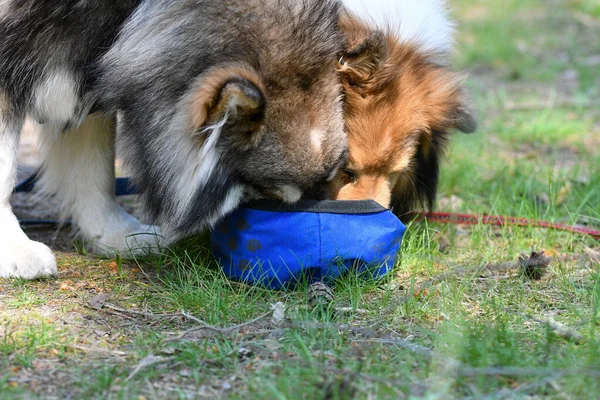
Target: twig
140	313
97	350
146	362
215	329
123	312
593	254
366	377
344	310
314	325
151	390
520	372
546	106
490	268
120	314
522	389
559	329
405	344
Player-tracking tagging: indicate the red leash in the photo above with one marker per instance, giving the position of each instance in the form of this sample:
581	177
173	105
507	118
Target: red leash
471	219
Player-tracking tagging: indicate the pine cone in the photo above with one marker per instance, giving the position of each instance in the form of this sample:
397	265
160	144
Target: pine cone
535	265
319	293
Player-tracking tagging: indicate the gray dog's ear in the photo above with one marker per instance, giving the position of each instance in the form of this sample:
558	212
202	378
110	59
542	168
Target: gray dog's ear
230	96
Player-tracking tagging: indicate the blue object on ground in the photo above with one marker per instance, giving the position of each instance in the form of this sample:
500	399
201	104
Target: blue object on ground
123	186
279	246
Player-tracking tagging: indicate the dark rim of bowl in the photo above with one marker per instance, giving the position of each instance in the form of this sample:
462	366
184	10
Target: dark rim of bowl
320	206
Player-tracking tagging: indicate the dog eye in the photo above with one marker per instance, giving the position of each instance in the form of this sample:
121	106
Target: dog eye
350	175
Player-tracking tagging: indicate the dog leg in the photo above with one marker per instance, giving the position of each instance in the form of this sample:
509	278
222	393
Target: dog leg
79	170
19	256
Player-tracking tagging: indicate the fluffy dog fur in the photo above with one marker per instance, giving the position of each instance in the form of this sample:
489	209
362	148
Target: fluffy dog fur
219	101
401	102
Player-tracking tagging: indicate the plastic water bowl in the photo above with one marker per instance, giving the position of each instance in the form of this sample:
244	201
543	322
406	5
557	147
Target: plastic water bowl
277	245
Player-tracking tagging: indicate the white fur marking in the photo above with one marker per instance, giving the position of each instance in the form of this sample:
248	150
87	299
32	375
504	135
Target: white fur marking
316	141
197	170
335	171
4	8
80	174
424	22
289	193
56	98
19	256
8	154
232	201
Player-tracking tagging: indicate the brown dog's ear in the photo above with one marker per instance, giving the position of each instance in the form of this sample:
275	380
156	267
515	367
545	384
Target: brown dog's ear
363	56
232	96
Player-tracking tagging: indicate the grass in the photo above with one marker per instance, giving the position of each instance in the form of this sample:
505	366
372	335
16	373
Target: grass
466	335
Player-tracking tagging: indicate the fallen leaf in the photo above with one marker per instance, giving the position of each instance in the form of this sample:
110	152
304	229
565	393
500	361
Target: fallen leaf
226	386
563	193
39	365
98	301
169	351
278	313
272	345
113	267
66	286
452	203
593	254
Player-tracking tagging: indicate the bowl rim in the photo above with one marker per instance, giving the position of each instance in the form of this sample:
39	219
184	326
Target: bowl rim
319	206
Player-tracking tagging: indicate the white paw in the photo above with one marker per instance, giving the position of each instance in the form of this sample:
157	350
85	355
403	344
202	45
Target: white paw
130	240
26	259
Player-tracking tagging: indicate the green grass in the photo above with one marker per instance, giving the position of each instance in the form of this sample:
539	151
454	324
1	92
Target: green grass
536	155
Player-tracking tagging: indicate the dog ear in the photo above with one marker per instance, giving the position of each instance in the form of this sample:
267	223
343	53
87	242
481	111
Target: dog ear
362	58
232	97
464	119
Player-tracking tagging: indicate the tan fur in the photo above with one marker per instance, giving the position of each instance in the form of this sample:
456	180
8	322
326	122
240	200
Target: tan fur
397	99
209	102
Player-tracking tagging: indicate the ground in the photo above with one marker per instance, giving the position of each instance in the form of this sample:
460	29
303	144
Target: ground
458	318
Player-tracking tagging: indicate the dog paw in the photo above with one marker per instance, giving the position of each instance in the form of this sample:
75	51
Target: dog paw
129	241
26	259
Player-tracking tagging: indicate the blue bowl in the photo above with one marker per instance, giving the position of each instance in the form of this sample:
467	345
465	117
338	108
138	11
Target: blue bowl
278	246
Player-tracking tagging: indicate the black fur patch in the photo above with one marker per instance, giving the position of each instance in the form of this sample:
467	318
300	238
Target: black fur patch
425	179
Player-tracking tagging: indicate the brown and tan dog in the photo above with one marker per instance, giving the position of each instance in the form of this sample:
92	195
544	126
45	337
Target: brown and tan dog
401	102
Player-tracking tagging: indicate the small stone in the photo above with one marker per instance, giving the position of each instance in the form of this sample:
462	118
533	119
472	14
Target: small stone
244	354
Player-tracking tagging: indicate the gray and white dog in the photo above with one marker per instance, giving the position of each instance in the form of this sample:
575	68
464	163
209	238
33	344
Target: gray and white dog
220	101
